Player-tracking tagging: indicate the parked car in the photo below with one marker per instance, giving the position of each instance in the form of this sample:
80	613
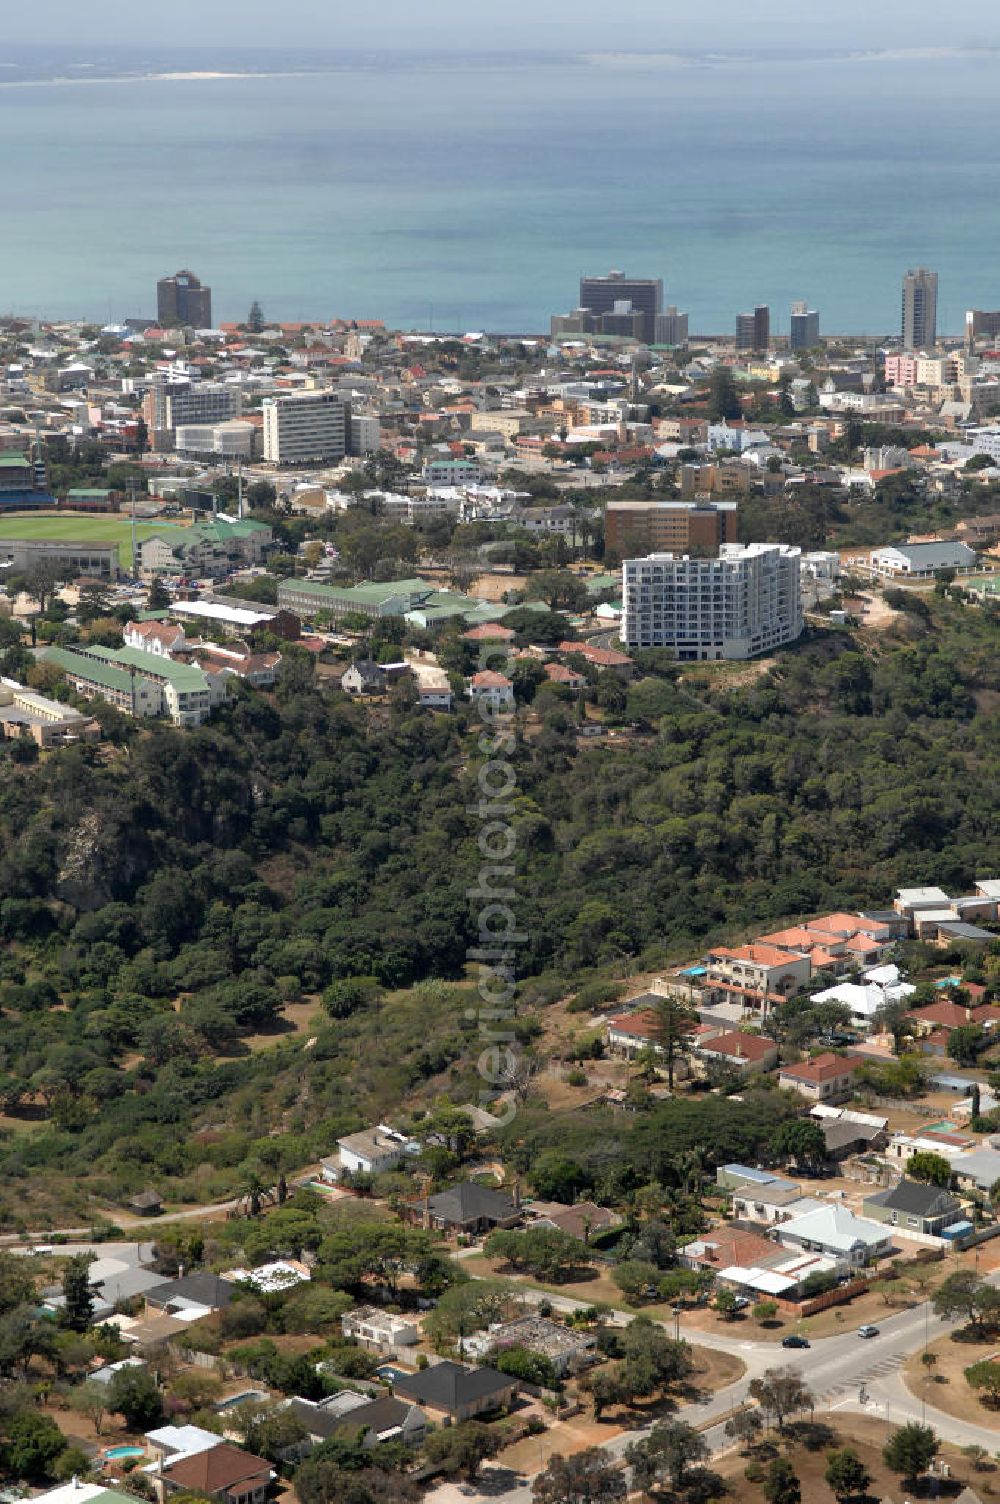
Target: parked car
795	1341
867	1331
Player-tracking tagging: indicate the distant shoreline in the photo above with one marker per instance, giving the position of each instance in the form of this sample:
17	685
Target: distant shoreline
389	61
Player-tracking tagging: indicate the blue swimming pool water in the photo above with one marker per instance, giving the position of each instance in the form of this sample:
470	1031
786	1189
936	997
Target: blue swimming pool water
124	1452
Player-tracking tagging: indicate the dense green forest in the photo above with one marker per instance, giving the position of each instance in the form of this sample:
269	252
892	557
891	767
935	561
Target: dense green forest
165	898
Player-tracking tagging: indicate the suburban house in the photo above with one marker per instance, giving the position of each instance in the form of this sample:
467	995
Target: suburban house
363	677
756	974
850	1135
161	638
749	1054
837	1233
825	1078
605	659
630	1033
372	1151
379	1420
914	1206
454	1390
564	1346
224	1472
734	1177
582	1220
724	1246
189	1297
771	1206
466	1208
378	1330
493	688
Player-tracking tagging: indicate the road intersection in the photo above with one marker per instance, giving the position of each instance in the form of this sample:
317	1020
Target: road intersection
844	1373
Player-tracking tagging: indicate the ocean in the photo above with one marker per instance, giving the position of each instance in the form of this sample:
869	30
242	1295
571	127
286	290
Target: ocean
466	192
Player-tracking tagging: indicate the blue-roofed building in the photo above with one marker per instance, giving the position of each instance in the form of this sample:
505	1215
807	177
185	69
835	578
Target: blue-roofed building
734	1177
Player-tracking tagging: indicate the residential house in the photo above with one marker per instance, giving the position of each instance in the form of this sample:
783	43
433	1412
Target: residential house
454	1390
734	1177
747	1054
605	659
493	688
161	638
467	1208
724	1246
558	673
201	1292
363	677
378	1331
846	1136
630	1033
565	1347
771	1205
381	1420
375	1420
837	1233
224	1472
915	1207
581	1221
372	1151
757	975
824	1078
271	1279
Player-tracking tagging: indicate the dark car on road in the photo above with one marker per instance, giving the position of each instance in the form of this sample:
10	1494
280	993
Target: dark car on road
795	1341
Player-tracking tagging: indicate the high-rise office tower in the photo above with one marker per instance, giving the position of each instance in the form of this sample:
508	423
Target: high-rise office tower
644	294
804	327
181	299
753	330
920	290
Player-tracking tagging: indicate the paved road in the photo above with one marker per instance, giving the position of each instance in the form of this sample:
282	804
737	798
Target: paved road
835	1368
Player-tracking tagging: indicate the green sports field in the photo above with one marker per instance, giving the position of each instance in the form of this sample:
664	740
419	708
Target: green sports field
989	584
84	527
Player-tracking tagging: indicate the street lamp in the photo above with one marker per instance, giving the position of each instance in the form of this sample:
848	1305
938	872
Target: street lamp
677	1323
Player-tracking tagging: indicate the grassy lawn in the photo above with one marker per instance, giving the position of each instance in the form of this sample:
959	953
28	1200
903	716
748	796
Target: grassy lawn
944	1385
866	1436
84	527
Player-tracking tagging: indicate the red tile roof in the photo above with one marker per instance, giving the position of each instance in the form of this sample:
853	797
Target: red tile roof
826	1067
739	1046
216	1469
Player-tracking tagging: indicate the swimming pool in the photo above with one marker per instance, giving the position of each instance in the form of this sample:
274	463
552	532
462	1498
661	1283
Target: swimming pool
115	1453
694	971
242	1398
949	982
943	1127
391	1373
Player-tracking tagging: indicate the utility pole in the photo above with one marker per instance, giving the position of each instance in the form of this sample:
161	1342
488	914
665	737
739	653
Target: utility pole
239	488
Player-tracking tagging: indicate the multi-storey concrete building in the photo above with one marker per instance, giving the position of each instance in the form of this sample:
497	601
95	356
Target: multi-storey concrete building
671	327
305	428
644	527
747	601
981	323
619	295
753	330
919	322
182	299
804	327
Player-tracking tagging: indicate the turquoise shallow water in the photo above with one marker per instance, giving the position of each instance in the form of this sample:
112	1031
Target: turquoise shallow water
473	191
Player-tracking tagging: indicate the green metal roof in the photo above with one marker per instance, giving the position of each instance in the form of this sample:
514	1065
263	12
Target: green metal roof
372	594
94	669
88	491
183	676
14	462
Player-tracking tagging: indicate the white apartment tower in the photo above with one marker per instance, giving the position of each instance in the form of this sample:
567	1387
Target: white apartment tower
305	428
745	602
